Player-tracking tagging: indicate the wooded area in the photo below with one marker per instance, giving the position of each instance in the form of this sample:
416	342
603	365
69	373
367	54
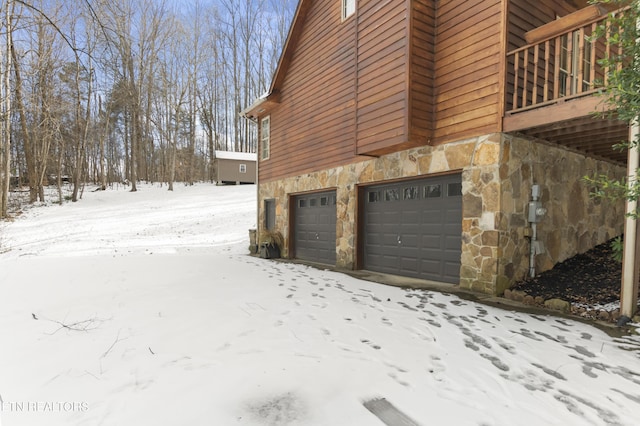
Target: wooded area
129	90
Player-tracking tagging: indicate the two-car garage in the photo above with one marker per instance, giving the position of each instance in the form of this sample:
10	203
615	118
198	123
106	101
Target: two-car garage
410	228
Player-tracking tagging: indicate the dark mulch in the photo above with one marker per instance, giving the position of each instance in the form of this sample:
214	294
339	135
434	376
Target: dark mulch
592	278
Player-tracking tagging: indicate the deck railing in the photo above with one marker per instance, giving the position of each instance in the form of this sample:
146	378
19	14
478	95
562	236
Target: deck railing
558	68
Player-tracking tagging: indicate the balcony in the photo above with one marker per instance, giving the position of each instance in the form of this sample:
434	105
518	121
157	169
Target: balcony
555	84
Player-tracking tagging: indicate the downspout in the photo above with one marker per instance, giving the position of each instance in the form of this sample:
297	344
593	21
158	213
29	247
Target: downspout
628	291
629	285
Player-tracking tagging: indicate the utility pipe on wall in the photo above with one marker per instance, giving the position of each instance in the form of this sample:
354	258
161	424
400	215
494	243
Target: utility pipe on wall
532	250
535	214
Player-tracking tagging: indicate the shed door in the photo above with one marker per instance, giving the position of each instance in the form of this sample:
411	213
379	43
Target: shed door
315	227
414	228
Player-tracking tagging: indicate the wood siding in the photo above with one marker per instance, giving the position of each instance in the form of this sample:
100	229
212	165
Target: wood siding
421	102
382	95
313	126
468	63
396	74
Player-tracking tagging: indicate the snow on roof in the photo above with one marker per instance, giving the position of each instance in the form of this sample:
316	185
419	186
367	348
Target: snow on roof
241	156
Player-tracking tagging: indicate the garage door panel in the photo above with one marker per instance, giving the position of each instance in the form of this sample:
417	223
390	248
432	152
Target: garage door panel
315	227
412	216
452	269
409	240
431	242
431	268
426	219
385	262
452	243
409	264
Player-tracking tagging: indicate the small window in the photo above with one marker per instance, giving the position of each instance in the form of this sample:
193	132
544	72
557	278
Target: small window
454	190
348	8
265	138
411	193
243	168
269	214
302	203
432	191
313	202
392	194
324	201
374	196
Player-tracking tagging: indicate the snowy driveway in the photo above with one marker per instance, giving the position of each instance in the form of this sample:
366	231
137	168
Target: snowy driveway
144	309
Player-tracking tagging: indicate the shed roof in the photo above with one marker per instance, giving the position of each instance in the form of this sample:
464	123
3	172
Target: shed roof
240	156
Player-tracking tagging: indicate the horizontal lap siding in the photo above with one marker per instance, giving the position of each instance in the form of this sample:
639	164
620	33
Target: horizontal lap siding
422	59
313	126
382	94
525	15
467	60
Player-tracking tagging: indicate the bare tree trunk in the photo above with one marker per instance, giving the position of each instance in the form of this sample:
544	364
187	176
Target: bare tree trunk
6	106
83	129
103	136
24	127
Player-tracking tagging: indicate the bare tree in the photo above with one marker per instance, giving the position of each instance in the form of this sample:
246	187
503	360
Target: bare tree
151	93
5	141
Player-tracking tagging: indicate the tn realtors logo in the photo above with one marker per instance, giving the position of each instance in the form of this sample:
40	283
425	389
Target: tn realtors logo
42	406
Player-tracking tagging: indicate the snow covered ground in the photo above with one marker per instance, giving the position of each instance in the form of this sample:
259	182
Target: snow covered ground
145	309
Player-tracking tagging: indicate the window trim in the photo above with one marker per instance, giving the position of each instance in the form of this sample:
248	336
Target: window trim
243	168
265	138
348	9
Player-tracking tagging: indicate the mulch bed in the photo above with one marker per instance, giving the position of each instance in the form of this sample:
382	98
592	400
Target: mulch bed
589	281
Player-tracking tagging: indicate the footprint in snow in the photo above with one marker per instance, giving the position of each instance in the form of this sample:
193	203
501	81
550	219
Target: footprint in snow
526	333
552	373
496	362
401	382
506	346
368	342
607	416
559	339
582	351
431	322
404	305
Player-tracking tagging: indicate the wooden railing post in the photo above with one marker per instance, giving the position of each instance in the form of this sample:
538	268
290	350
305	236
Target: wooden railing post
567	68
515	80
547	48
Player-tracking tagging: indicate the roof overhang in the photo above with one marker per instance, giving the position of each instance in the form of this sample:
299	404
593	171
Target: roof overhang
261	106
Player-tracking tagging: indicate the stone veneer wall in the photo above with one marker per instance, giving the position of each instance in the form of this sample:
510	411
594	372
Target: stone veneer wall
497	173
574	222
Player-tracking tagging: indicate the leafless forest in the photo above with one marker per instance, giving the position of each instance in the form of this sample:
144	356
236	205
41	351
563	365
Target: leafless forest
106	91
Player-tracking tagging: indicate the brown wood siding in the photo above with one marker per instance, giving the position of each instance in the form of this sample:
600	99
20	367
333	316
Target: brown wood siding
313	126
382	95
468	58
422	69
525	15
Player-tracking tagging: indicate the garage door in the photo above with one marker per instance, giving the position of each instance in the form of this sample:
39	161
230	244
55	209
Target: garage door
315	227
414	228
